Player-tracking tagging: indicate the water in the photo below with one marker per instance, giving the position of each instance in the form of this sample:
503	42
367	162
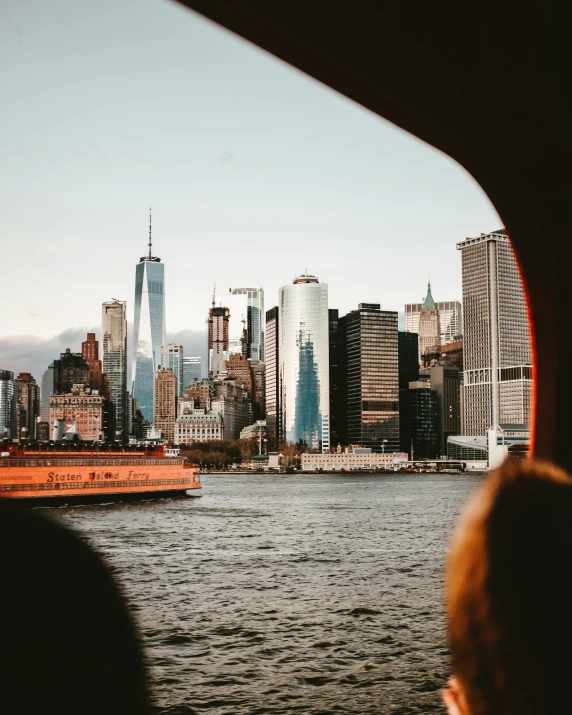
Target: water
288	594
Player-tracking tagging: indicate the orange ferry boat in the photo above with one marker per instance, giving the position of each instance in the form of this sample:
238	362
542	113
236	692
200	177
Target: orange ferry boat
80	472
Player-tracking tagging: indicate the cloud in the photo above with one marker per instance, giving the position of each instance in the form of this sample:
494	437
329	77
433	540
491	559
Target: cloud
225	156
33	354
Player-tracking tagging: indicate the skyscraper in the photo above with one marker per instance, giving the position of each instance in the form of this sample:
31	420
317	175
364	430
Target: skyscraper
90	351
8	405
497	357
192	370
246	321
429	325
450	319
217	337
304	362
47	389
408	372
337	360
272	353
372	377
114	331
28	410
174	361
165	404
148	329
445	379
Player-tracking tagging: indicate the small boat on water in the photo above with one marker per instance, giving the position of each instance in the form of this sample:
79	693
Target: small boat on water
80	472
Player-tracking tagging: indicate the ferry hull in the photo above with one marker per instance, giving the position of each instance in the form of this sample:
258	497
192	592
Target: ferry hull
69	483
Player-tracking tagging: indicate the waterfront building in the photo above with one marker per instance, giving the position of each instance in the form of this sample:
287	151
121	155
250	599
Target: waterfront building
28	406
84	408
47	389
192	370
423	420
246	321
408	352
304	362
372	377
174	361
272	389
70	369
165	409
232	403
445	379
149	334
8	405
450	319
497	383
217	336
350	460
429	325
257	431
114	332
90	351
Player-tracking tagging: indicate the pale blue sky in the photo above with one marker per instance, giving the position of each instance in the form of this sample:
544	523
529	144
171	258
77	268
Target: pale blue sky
255	172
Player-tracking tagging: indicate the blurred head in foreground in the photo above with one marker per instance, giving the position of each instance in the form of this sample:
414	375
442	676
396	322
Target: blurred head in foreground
509	596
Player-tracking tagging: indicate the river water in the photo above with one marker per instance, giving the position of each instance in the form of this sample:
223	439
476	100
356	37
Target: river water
288	594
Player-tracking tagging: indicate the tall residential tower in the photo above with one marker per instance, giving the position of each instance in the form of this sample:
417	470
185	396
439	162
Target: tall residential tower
148	329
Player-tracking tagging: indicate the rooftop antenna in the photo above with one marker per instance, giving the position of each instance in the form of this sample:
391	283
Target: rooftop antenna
149	233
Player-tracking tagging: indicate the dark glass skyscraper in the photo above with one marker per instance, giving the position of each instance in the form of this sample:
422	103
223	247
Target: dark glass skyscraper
372	377
273	429
408	372
148	329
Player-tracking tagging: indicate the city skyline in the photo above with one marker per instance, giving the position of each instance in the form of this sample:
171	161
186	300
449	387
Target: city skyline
282	162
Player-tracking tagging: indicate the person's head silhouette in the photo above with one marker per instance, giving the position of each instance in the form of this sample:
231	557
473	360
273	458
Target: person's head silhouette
509	596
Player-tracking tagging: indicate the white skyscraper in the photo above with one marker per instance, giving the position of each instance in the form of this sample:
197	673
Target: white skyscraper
304	362
148	329
497	351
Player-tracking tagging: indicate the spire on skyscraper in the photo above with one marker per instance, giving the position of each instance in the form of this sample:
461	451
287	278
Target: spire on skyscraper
150	233
429	302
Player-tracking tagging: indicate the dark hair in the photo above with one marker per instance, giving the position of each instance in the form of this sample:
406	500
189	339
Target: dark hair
509	593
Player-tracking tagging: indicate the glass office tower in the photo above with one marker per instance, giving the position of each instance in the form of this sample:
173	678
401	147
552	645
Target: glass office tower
114	363
148	330
304	362
372	377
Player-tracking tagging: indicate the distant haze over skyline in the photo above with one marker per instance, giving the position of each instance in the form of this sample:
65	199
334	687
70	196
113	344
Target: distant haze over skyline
255	172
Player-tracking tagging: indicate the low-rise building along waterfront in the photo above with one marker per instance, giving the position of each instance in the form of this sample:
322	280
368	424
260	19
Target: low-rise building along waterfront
347	461
84	408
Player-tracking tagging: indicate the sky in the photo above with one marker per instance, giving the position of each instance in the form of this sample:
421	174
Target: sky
254	171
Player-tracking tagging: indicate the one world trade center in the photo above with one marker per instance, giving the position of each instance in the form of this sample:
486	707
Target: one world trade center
148	329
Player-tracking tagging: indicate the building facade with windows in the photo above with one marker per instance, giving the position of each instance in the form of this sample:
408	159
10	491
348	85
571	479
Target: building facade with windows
272	352
149	335
90	351
28	410
218	340
246	321
370	342
450	319
165	404
174	361
83	408
192	370
497	356
195	425
114	363
304	362
8	405
429	325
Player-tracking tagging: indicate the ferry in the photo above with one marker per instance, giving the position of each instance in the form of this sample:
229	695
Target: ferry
78	472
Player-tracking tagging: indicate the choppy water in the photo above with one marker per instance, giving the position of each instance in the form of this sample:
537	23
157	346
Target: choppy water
300	594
